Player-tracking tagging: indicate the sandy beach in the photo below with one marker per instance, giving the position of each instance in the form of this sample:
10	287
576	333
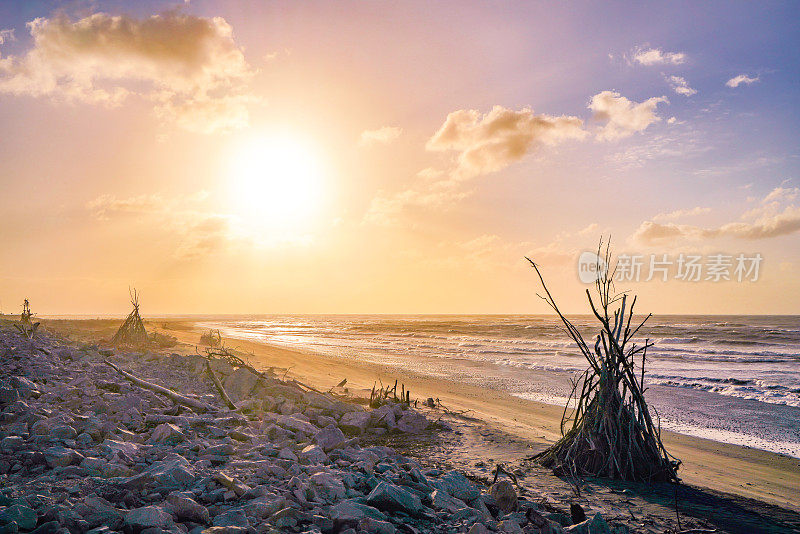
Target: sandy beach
731	469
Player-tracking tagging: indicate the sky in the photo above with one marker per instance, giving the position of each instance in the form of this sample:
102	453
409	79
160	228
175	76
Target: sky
397	157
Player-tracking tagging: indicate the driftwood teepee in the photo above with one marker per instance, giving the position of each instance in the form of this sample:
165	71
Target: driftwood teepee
132	331
26	326
612	434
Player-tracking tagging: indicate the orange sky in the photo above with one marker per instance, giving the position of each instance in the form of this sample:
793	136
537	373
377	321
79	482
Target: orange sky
364	158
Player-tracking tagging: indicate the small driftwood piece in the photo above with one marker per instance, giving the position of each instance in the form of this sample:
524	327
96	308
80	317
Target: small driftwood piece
194	404
220	389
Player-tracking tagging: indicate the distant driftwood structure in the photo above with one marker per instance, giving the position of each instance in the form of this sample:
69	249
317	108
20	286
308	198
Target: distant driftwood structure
132	331
612	434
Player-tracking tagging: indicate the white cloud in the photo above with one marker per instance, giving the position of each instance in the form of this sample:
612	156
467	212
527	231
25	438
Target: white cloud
680	85
189	67
490	142
381	136
623	117
656	56
736	81
776	215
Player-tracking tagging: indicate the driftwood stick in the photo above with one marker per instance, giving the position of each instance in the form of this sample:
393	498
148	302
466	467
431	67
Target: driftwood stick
221	390
194	404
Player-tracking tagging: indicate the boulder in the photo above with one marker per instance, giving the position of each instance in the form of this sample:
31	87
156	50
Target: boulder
314	454
355	511
390	498
458	486
595	525
240	383
148	517
232	518
167	433
188	509
441	500
504	495
412	422
355	422
59	456
328	486
298	425
329	438
24	517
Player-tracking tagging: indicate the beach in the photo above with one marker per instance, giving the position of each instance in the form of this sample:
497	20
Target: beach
732	469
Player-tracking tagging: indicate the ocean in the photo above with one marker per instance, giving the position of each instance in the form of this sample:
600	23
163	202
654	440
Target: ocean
734	379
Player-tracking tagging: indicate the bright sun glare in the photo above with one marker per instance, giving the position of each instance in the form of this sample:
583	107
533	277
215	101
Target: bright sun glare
276	182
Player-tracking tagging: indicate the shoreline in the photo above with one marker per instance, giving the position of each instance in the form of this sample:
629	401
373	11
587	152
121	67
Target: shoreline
734	469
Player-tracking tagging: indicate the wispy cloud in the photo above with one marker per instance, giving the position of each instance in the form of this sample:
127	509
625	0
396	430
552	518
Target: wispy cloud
7	36
736	81
381	136
680	214
656	56
777	214
680	85
189	67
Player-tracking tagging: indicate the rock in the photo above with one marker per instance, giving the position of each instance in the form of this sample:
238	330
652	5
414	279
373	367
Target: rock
329	438
51	527
457	485
375	526
231	518
188	509
478	528
167	433
63	432
355	422
235	485
328	486
240	383
59	456
441	500
576	512
263	507
391	498
504	495
148	517
412	422
12	443
223	530
510	527
8	396
595	525
314	454
384	416
298	425
287	454
24	517
355	511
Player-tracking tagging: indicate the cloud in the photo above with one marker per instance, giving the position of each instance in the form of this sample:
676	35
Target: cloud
623	117
209	233
656	56
189	67
680	85
736	81
104	206
776	215
490	142
387	209
381	136
679	214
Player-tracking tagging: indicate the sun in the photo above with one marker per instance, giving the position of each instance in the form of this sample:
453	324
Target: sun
276	181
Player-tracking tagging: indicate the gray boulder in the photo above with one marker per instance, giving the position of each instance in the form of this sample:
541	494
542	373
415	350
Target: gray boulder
390	498
504	495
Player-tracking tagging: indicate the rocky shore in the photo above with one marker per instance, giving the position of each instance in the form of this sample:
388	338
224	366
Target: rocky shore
82	449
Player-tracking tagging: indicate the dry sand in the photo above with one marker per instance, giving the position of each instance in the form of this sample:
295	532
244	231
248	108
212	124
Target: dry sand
733	469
